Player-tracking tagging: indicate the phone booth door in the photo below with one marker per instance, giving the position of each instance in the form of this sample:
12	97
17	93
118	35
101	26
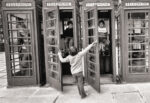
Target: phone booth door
92	58
52	39
138	41
20	53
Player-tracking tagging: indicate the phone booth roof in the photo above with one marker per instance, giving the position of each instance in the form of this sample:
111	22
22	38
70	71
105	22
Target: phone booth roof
20	4
101	4
135	4
62	4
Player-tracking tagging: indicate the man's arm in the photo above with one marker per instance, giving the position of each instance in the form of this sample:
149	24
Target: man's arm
63	60
87	48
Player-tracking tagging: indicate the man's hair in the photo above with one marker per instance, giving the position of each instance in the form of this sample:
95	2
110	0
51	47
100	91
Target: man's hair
101	21
73	51
69	22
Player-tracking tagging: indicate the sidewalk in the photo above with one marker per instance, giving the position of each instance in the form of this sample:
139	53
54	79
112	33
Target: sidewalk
110	93
3	74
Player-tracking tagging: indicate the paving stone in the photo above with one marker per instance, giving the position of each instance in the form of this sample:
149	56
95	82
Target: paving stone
20	92
48	99
132	97
13	100
146	96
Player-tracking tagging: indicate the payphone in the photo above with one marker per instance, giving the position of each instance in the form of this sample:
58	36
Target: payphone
134	20
22	31
61	30
98	24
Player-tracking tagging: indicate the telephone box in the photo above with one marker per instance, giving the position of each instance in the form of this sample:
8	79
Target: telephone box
133	22
58	16
98	24
22	31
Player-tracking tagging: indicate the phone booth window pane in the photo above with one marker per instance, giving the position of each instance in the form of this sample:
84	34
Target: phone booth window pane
92	58
91	32
50	23
53	58
137	70
90	14
138	15
52	50
90	40
91	66
90	23
50	15
50	32
52	41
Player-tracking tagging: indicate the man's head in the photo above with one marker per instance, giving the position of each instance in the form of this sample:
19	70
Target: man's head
70	24
101	23
73	51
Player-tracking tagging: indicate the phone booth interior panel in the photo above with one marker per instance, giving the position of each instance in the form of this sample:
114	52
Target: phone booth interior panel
98	24
135	18
21	45
60	32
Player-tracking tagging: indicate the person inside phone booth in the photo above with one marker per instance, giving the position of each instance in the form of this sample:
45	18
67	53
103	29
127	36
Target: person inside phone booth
104	47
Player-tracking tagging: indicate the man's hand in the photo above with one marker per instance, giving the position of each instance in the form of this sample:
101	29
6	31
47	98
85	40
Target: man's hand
59	52
94	43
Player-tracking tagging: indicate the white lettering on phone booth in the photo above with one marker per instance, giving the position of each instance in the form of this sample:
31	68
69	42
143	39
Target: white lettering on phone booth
97	4
59	4
137	4
18	4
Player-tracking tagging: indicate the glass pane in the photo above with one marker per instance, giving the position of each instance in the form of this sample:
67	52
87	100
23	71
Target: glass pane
139	62
90	23
92	58
137	70
50	15
92	50
52	50
90	14
91	32
50	23
54	75
90	40
53	58
91	66
92	75
50	32
52	41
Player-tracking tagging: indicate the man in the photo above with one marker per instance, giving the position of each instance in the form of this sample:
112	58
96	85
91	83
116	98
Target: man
75	59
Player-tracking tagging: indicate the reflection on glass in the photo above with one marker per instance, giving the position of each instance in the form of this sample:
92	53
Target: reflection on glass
52	50
50	23
92	58
51	33
139	62
137	70
52	41
53	58
51	15
91	66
